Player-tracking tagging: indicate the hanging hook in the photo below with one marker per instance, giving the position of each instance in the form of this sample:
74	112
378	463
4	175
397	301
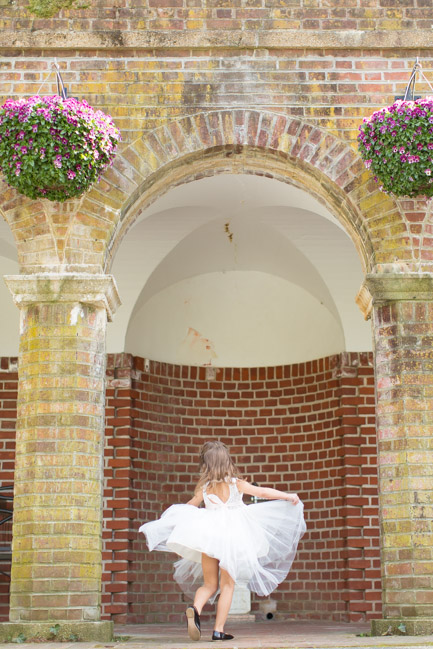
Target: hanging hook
409	94
61	90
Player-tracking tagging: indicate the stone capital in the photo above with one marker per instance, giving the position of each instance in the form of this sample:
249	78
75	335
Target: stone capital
97	290
399	287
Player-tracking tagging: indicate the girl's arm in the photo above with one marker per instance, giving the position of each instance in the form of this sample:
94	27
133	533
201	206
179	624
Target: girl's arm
196	499
266	492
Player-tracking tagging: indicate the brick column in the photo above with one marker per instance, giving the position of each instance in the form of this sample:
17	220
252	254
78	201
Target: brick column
56	562
403	330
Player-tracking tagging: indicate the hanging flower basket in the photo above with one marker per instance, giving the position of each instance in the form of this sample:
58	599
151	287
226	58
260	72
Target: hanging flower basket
396	144
55	148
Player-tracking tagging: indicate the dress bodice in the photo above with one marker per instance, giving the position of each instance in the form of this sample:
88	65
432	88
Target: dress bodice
212	501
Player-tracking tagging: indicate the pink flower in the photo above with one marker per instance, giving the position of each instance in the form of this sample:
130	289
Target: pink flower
427	172
71	174
58	161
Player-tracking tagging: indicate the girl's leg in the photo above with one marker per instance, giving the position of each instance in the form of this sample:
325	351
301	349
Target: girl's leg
227	586
210	569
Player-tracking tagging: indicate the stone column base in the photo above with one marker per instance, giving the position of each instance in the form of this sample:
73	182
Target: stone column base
414	626
58	631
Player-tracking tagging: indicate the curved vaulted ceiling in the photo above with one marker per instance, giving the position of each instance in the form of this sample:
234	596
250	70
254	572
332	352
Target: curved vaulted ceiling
231	224
264	250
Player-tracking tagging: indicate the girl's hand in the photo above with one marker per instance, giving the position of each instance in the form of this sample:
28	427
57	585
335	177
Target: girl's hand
293	498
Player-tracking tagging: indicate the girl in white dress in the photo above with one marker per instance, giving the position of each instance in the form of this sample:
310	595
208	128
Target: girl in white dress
226	541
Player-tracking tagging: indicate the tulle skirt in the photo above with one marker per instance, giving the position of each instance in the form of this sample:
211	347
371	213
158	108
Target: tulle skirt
255	544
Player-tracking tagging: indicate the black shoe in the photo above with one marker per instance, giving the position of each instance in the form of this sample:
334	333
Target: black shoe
220	635
193	621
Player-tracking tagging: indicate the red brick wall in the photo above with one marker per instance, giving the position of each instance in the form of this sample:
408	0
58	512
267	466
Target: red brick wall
8	399
360	488
307	427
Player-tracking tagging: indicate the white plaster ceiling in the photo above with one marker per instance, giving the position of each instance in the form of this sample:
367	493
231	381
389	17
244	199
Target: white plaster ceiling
277	229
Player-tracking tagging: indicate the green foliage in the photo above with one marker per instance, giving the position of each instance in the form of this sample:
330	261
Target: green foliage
49	8
54	630
20	639
396	144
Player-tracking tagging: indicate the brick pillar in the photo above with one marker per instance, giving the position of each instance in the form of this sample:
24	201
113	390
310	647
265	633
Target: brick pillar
403	330
56	554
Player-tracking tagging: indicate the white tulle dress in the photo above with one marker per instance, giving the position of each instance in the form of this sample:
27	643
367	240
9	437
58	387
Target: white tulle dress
256	543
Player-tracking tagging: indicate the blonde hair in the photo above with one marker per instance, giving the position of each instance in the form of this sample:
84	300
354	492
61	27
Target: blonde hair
215	464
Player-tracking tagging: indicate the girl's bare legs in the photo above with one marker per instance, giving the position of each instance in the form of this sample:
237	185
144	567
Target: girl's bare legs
210	569
227	586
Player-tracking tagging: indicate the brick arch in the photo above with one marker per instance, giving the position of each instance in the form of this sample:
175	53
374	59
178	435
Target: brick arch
263	143
88	231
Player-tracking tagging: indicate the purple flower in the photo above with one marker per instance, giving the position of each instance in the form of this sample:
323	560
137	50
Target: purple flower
94	132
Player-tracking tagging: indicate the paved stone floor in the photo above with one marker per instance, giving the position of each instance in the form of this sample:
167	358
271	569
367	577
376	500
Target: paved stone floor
256	635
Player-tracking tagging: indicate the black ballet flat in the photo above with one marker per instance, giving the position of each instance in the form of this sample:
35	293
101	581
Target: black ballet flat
193	622
220	635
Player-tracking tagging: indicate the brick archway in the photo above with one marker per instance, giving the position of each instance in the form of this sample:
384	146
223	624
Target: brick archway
87	232
261	143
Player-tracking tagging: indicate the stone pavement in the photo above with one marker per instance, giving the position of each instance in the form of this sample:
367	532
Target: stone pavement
287	634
